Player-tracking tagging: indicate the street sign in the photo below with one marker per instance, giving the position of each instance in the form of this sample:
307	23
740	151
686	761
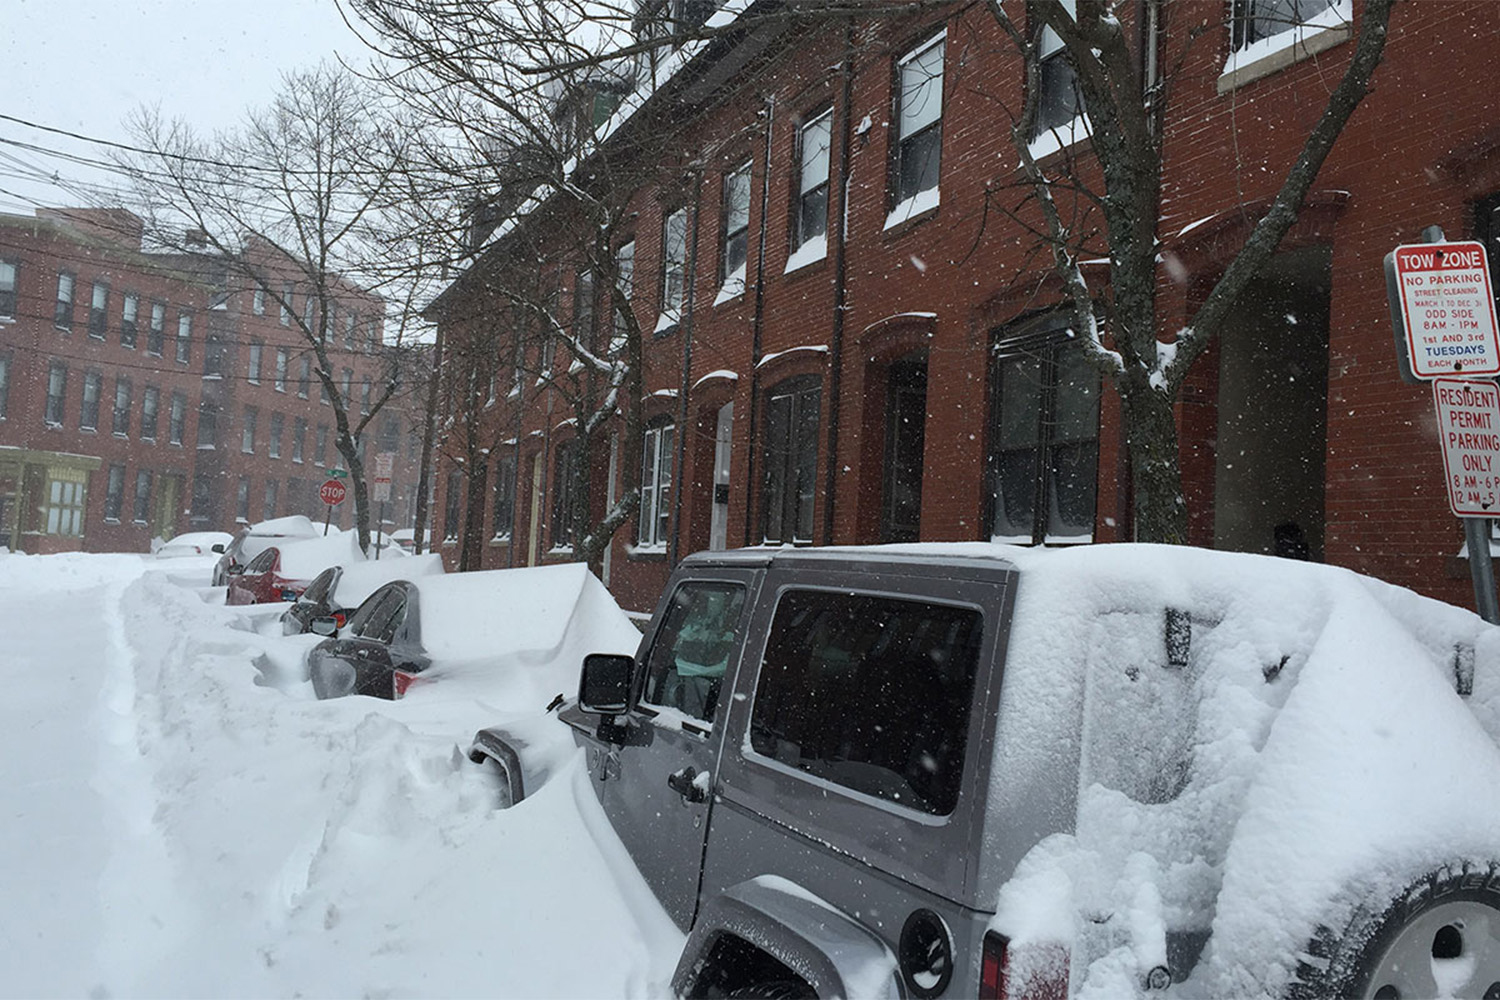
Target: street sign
1468	416
1446	308
337	473
385	464
332	492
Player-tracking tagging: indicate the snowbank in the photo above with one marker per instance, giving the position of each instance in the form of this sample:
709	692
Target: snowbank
361	579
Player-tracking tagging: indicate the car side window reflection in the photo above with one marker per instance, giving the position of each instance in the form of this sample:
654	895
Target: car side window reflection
262	562
686	667
368	612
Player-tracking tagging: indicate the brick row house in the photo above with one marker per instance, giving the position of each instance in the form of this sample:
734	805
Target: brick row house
847	341
144	394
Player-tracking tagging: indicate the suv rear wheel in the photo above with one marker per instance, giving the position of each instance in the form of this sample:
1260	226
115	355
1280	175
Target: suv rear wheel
1439	937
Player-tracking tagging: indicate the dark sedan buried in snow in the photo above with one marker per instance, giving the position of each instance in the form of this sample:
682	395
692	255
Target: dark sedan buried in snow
339	590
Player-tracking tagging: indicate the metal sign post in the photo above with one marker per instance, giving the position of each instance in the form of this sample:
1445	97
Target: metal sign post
385	463
1443	315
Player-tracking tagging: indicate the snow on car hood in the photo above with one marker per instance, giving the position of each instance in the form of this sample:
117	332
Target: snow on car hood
1310	744
306	558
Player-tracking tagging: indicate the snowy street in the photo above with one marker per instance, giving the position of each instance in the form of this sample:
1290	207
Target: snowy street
176	824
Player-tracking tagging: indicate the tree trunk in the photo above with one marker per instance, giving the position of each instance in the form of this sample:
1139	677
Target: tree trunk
1155	474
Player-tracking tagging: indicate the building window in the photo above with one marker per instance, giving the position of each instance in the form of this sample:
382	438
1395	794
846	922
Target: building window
247	431
563	494
184	337
364	396
320	446
656	486
273	443
268	508
213	356
66	493
123	398
622	296
281	360
1253	20
62	314
88	416
1044	433
673	267
4	386
99	311
286	303
242	500
299	438
142	506
57	387
452	506
810	228
253	376
156	334
373	341
1059	103
258	302
150	403
583	308
176	417
208	425
307	315
346	376
735	247
7	290
791	461
114	493
351	320
919	126
127	320
304	381
505	495
201	509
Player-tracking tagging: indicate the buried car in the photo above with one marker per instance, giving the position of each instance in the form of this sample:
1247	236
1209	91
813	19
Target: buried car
516	633
193	543
282	572
252	541
971	770
337	591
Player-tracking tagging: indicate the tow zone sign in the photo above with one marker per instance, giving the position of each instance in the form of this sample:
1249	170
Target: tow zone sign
1447	309
1468	416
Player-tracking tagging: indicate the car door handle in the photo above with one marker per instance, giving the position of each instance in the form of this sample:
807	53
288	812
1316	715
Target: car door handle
684	783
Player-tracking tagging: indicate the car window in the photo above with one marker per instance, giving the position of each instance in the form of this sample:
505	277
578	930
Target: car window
317	591
397	615
262	562
367	610
373	626
869	692
686	665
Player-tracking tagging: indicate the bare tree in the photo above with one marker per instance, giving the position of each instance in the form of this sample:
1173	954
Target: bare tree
296	197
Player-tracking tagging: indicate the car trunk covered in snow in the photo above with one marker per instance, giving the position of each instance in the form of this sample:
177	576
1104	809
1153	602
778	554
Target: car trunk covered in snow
1259	746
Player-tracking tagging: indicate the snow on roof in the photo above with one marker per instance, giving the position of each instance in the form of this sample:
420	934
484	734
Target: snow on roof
722	373
817	348
526	617
361	579
305	559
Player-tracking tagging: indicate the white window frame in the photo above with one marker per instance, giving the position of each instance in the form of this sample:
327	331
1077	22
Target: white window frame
653	524
1265	56
923	199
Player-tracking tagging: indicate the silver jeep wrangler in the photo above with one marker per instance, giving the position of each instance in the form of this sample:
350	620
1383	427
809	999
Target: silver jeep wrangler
885	772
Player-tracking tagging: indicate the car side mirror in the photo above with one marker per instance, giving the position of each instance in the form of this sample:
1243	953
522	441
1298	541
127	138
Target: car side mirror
234	570
217	547
604	687
325	625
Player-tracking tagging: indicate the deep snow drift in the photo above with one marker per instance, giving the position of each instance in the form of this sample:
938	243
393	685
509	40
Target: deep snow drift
176	826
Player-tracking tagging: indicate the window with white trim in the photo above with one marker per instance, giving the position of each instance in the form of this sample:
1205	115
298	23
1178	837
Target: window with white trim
62	313
623	293
7	290
57	388
128	313
505	495
286	303
273	441
1251	21
1059	105
150	405
123	397
563	494
919	123
247	431
673	267
114	493
656	486
814	142
184	337
176	417
142	506
88	415
735	245
67	491
281	360
99	310
156	333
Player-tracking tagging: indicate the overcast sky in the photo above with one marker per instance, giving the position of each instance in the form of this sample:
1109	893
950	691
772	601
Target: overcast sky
84	65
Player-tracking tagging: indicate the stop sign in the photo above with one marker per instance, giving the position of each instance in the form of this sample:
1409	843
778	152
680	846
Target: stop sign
332	492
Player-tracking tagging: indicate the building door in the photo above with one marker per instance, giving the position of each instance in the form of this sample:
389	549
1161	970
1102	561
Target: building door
905	432
168	499
534	539
718	528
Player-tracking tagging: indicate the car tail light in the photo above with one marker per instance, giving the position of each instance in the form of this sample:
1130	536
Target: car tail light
1047	967
400	681
340	619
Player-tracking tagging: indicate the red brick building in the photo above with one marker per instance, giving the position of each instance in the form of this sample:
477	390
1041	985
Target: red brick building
145	394
858	347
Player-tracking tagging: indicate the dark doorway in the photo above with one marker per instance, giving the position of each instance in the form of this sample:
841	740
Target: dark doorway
905	431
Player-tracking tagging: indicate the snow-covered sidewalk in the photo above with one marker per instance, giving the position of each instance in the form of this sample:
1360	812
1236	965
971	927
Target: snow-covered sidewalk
175	826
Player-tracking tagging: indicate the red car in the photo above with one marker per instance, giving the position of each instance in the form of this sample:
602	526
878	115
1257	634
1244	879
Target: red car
282	572
262	582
